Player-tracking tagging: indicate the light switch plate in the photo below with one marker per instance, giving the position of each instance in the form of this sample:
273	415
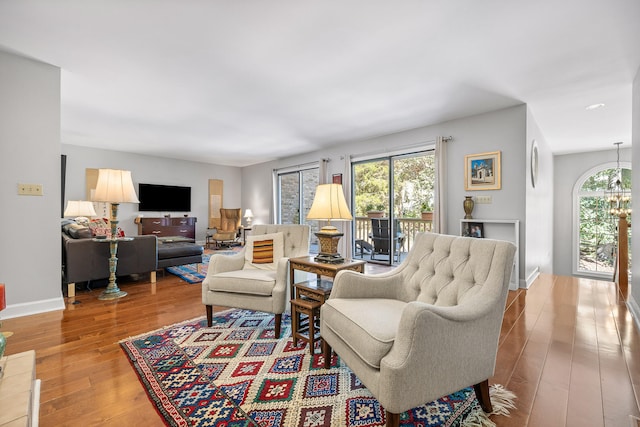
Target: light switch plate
483	200
30	189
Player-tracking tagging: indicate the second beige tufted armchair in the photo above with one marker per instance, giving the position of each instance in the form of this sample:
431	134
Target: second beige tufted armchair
245	280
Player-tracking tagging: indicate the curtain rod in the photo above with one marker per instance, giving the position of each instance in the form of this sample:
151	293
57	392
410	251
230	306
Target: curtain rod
405	149
307	165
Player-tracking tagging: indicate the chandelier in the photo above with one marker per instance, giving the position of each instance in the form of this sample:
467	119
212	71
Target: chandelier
618	198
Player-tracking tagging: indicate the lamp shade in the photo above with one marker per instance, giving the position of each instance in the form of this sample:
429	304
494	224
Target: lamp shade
329	204
115	186
248	213
77	208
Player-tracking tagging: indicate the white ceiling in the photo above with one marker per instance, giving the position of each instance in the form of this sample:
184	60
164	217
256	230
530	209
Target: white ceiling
245	81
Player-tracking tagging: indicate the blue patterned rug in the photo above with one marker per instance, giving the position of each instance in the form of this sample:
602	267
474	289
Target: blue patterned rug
189	272
237	374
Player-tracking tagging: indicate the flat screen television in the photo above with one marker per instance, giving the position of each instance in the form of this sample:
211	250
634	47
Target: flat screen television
164	198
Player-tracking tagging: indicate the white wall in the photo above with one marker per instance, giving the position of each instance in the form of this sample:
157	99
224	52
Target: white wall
568	169
30	153
539	205
503	130
635	241
153	170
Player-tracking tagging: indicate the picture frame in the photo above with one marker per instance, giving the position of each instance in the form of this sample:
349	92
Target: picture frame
473	229
482	171
336	178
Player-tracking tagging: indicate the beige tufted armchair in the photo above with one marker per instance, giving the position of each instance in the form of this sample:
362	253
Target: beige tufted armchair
251	280
426	329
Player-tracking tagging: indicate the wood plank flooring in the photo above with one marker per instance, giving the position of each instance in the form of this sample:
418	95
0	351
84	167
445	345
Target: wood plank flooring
568	349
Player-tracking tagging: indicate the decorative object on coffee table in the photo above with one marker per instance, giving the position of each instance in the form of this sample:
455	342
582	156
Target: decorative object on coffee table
329	204
468	205
115	187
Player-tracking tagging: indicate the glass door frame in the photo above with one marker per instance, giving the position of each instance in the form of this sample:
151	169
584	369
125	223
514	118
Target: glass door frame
390	158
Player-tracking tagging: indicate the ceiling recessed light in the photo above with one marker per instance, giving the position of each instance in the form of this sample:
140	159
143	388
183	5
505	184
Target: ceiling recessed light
595	106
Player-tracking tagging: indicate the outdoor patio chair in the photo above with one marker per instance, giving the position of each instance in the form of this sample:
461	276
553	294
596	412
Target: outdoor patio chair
380	233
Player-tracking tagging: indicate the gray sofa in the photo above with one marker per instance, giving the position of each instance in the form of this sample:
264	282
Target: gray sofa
85	259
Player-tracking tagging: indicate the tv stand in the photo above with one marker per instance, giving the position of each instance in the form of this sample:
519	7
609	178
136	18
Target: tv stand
168	227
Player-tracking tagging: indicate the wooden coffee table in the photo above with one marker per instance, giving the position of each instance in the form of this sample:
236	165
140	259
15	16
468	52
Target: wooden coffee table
308	296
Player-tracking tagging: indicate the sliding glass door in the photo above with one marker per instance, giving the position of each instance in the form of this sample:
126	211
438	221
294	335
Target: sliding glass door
390	195
296	190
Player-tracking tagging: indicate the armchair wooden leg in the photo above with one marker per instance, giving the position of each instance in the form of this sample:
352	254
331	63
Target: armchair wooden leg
326	354
209	315
278	323
482	393
393	420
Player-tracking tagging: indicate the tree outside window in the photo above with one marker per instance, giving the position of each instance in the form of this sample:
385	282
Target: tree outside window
597	228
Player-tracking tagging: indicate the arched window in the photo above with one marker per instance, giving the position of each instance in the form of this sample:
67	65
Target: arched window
595	229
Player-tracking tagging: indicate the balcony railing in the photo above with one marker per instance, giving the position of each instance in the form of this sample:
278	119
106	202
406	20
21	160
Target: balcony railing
408	226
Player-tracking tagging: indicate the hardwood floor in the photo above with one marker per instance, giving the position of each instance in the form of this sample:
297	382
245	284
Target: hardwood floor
568	349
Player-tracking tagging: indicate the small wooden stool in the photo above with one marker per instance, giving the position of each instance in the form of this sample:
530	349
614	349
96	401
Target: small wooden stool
304	328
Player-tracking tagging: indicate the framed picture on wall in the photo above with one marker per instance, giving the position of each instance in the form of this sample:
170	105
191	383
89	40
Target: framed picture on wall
336	178
482	171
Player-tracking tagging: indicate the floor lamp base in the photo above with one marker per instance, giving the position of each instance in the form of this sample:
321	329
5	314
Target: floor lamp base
109	295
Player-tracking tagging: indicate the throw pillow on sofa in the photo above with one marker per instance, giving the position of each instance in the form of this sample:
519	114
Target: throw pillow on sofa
76	231
102	227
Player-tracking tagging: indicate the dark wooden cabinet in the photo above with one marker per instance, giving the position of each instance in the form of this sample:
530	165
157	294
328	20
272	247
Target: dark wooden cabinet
168	227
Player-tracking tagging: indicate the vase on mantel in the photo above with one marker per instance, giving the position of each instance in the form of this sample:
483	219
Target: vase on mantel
468	207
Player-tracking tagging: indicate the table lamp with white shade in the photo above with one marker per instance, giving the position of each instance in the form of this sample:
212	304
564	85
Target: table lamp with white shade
80	210
329	205
249	216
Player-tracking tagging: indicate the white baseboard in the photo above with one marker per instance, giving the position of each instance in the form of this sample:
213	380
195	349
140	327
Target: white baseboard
34	307
526	284
633	307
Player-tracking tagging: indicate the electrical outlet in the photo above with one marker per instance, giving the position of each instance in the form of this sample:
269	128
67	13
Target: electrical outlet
30	189
483	200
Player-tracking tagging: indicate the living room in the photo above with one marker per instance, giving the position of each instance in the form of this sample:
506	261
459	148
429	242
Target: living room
31	148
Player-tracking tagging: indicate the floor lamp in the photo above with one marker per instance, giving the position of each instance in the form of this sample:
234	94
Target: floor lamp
329	204
114	187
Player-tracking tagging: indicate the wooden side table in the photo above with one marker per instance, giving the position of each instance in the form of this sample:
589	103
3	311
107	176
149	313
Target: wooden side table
307	297
307	264
304	328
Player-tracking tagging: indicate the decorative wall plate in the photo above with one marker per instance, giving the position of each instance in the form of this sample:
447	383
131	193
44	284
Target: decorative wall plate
534	163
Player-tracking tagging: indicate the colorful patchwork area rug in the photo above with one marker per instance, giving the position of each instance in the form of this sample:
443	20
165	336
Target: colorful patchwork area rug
237	374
